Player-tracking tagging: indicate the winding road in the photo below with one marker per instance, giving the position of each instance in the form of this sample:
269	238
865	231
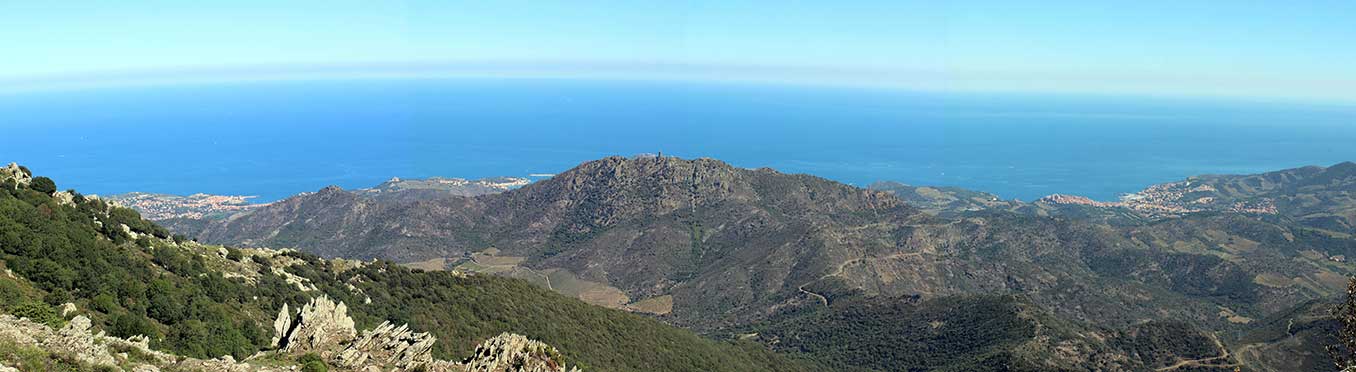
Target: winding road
843	265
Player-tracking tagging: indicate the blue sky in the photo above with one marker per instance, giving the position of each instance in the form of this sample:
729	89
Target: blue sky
1266	49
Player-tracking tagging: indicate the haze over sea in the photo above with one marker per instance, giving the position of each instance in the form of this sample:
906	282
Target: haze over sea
275	139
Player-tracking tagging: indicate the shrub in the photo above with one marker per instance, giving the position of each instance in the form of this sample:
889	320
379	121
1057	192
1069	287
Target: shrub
37	312
312	363
128	325
234	254
314	367
43	185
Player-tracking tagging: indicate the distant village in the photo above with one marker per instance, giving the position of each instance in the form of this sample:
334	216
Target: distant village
197	206
1174	198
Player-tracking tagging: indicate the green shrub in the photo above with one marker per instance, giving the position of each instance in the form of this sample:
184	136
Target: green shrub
43	185
37	312
127	325
234	254
310	362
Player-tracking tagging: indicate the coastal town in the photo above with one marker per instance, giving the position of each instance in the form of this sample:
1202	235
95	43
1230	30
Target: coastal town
197	206
1171	199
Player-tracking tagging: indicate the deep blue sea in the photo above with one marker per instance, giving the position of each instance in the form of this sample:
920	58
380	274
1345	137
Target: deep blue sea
274	139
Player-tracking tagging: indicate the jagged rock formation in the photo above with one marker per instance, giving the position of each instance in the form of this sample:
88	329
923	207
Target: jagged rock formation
389	345
324	327
385	348
281	326
513	353
14	173
75	338
321	325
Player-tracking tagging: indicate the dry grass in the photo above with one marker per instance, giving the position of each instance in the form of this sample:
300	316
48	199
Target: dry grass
1272	280
433	264
654	305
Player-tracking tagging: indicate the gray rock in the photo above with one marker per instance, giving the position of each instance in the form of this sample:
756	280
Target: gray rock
391	346
13	172
76	340
509	352
64	198
322	326
281	326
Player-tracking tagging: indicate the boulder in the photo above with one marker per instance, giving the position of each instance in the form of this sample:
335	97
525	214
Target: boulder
67	309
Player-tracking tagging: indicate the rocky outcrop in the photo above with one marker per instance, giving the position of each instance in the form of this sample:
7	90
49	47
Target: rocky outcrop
281	325
389	345
18	175
64	198
75	339
321	327
509	352
76	342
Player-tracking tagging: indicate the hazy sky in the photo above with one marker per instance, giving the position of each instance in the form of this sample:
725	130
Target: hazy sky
1287	49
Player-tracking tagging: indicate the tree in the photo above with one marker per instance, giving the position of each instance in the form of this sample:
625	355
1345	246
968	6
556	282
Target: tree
43	185
128	325
1344	352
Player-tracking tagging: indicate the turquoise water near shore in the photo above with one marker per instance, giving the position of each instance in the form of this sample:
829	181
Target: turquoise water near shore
275	139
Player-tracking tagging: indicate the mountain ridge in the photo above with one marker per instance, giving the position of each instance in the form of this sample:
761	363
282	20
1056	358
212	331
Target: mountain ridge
735	249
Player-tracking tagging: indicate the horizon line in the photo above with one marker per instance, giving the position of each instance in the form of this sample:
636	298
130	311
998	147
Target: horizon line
921	81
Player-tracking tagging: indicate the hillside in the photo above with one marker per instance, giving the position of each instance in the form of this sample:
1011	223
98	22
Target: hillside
944	201
128	277
1318	197
721	249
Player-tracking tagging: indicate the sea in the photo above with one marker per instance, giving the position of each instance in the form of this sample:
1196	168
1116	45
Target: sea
276	139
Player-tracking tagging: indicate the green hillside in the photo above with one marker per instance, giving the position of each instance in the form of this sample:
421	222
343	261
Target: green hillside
207	301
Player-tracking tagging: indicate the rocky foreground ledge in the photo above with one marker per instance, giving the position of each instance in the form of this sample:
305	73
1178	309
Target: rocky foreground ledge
322	328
